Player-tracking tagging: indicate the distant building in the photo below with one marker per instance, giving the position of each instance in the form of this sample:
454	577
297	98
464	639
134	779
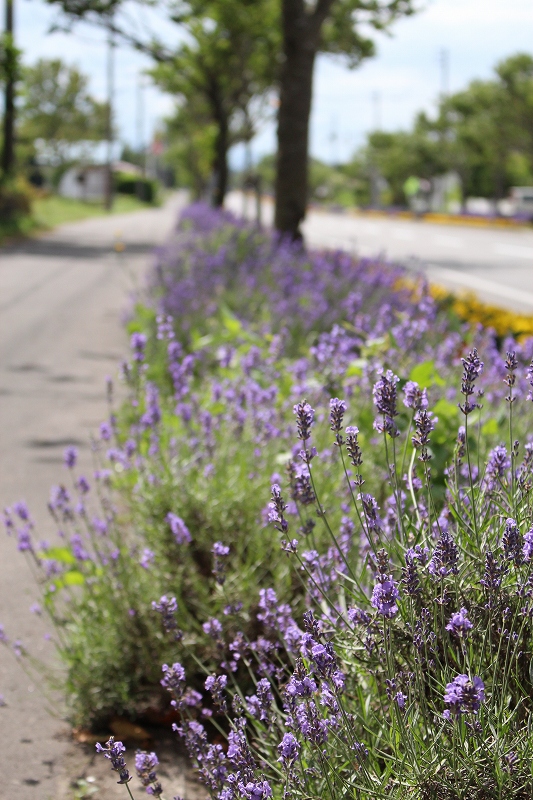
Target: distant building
88	182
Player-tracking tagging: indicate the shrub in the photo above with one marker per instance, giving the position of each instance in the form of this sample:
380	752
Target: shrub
145	189
207	425
408	676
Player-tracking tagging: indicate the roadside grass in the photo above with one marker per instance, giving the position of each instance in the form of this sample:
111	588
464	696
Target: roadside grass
50	211
54	210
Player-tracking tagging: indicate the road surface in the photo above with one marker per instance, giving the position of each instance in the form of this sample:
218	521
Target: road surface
61	301
495	263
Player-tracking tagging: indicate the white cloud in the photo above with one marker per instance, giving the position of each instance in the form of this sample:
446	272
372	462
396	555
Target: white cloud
405	73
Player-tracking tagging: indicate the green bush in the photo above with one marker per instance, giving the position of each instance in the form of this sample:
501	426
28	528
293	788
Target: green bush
145	189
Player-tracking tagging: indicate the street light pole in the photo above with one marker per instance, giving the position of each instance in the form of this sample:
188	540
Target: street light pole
109	133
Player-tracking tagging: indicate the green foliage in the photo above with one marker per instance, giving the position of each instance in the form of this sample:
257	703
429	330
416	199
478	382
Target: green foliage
483	133
145	189
57	108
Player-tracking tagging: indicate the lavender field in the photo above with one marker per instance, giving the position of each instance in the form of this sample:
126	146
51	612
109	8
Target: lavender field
307	540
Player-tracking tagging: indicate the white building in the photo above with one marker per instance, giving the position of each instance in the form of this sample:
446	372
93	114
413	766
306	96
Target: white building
88	182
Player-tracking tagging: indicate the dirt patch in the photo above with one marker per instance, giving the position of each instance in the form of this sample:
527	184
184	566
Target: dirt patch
87	775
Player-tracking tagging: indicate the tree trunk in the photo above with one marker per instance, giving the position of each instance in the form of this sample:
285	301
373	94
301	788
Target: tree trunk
221	163
300	42
220	158
10	69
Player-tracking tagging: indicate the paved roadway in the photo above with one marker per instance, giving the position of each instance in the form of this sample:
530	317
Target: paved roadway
61	298
495	263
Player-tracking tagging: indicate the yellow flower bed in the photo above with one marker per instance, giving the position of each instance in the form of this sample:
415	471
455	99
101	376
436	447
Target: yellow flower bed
468	308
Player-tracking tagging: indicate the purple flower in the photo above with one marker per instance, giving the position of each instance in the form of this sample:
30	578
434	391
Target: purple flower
472	369
35	608
216	684
168	607
3	635
384	597
24	539
464	695
497	464
179	529
259	790
70	457
220	552
352	446
512	542
459	623
288	750
304	419
145	765
147	558
82	485
113	751
138	345
260	703
445	557
173	680
106	431
400	699
530	381
21	510
337	410
384	393
276	509
527	551
415	397
212	628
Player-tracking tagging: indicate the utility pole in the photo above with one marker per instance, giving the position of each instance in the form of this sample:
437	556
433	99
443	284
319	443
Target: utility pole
109	134
140	124
376	101
444	71
10	69
333	139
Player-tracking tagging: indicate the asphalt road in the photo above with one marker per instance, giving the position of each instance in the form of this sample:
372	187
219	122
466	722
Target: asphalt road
495	263
61	300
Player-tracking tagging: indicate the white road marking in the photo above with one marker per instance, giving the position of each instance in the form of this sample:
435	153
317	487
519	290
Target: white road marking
447	241
514	250
479	284
402	233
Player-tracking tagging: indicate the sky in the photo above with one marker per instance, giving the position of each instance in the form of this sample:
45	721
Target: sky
406	75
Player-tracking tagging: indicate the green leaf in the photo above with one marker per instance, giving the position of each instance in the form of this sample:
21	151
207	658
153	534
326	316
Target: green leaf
73	578
230	322
490	428
61	554
355	367
445	410
426	375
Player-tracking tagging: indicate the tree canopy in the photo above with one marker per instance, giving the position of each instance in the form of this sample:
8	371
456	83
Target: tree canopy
58	109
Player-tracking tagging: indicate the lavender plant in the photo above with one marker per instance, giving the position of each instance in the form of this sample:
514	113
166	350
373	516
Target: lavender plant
161	543
409	674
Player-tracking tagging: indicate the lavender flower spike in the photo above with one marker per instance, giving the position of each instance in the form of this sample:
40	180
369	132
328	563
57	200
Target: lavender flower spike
384	393
459	623
464	695
113	751
472	369
530	381
70	457
145	765
305	416
384	597
288	750
337	410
